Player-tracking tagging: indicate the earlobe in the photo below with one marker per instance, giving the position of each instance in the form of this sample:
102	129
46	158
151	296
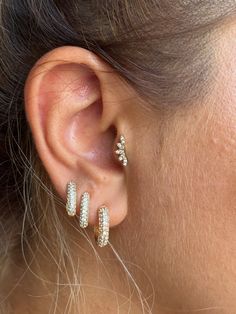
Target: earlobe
75	130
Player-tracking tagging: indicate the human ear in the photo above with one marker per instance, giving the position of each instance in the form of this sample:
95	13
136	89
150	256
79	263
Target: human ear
74	109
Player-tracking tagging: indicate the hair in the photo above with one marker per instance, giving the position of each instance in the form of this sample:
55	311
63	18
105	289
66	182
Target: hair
162	48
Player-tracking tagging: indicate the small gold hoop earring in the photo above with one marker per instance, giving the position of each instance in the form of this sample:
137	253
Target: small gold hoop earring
121	151
84	210
71	202
101	231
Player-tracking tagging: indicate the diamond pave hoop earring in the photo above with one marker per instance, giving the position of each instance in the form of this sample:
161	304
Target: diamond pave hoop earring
101	231
121	151
71	202
84	210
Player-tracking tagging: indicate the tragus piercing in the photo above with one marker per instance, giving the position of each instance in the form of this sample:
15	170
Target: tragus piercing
84	210
71	198
101	231
121	151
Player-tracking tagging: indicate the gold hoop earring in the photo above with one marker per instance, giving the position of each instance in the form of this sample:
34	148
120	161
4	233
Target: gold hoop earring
121	151
71	202
84	210
101	231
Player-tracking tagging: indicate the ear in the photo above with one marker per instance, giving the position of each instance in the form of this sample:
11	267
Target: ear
74	106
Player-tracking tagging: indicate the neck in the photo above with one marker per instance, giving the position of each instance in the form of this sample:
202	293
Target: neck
88	279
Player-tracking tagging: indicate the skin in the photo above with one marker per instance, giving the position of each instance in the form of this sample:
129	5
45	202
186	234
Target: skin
172	208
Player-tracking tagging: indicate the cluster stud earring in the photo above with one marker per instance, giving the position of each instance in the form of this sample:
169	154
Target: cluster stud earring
101	231
121	151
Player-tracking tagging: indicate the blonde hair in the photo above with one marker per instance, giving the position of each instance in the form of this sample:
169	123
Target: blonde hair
162	48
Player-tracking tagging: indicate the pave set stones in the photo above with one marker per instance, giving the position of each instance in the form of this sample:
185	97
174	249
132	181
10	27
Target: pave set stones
84	210
102	230
71	198
121	151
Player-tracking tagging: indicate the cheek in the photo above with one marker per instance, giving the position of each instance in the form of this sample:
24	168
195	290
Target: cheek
185	204
195	173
